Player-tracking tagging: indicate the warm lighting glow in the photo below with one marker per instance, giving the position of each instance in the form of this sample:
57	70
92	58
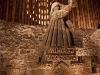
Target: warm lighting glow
30	16
50	3
39	22
44	11
33	19
33	12
42	17
39	4
39	9
44	3
27	0
39	15
47	5
47	10
44	22
27	12
47	22
33	1
45	17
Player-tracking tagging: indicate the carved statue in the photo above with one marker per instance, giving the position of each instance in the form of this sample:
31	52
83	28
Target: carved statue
58	32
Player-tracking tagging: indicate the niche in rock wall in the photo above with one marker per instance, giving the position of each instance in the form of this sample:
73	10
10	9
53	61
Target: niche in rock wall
61	69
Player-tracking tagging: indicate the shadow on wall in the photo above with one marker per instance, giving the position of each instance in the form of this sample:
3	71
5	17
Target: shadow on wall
3	73
98	26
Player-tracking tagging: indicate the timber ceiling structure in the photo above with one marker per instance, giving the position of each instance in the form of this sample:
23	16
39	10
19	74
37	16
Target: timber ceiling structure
36	12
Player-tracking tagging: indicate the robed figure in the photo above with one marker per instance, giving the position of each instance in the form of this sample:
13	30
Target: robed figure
58	32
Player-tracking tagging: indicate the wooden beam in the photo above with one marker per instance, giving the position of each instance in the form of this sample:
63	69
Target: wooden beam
23	11
20	11
13	10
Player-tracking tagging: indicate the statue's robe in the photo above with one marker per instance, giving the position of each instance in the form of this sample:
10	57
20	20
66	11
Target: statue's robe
57	34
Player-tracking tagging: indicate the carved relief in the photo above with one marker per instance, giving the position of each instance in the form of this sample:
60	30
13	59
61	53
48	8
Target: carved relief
61	69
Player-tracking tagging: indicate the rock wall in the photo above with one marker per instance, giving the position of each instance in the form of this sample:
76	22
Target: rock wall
19	47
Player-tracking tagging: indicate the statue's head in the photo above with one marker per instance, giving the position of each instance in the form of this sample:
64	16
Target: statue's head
56	8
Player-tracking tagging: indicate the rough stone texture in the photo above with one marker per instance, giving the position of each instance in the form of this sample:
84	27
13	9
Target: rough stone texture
19	50
95	37
19	45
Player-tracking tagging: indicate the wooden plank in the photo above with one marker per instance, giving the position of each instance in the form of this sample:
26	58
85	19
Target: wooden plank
46	12
75	17
13	10
7	7
23	9
97	12
30	4
2	7
98	8
32	12
35	12
83	18
20	12
77	10
28	10
39	12
43	12
49	8
80	14
88	16
93	15
17	11
10	10
89	13
26	16
85	14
